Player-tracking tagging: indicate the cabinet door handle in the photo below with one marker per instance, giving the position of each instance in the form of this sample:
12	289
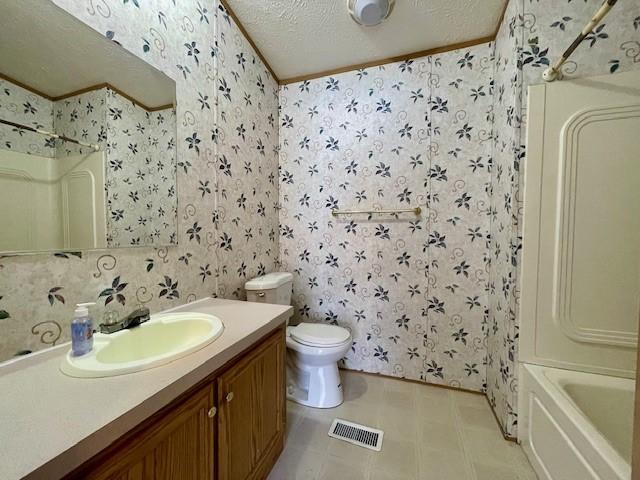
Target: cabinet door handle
229	396
212	412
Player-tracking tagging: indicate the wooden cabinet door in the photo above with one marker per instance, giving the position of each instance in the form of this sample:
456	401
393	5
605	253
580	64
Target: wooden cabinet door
177	446
236	453
270	400
251	397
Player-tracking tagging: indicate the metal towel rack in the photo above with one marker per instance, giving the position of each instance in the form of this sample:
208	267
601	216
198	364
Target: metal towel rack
416	210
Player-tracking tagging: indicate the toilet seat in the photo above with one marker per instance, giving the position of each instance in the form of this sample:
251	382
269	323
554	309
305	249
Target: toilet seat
319	335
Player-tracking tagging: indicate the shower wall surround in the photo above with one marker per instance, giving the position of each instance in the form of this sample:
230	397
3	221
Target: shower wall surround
531	36
411	289
201	48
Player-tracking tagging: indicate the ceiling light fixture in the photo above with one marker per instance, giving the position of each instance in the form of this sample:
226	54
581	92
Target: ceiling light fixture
370	12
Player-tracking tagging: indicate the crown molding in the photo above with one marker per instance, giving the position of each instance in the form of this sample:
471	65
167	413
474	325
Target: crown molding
386	60
91	88
249	39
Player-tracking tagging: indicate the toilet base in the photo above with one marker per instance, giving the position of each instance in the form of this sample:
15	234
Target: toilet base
314	386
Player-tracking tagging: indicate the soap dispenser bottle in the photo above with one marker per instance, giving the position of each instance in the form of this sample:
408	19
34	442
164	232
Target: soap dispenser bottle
81	330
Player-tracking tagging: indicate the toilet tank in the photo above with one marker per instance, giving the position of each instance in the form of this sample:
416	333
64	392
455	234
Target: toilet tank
271	288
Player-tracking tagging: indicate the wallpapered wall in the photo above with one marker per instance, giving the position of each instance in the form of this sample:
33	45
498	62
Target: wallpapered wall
22	106
198	46
142	206
411	289
246	213
531	36
83	117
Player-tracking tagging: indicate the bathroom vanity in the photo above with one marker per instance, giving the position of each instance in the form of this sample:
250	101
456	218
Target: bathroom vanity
216	413
233	423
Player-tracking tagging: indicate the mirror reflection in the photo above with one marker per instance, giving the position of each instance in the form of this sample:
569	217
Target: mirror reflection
88	160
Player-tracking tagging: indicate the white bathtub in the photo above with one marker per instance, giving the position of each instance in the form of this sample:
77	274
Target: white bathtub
575	425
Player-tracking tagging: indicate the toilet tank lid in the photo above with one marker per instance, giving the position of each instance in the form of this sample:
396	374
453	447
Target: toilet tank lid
269	281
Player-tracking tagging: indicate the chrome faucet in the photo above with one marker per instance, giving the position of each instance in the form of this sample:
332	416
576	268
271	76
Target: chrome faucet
132	320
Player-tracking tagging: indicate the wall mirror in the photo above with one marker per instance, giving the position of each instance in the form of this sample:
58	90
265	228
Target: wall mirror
87	160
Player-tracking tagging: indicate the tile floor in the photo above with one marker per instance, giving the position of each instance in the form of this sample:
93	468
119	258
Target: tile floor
430	433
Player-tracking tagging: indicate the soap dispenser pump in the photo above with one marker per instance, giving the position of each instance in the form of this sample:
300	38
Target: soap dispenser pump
81	330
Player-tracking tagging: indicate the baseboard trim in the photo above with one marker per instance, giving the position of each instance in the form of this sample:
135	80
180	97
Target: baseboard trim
410	380
446	387
508	438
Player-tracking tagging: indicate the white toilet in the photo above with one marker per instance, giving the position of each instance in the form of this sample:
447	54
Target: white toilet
313	349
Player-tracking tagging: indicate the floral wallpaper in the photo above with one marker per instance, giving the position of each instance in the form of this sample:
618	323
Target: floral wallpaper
410	288
141	189
246	136
82	117
24	107
38	292
531	37
507	150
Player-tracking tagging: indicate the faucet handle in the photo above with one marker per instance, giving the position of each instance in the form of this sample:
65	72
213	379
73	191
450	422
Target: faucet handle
145	312
140	312
110	318
137	317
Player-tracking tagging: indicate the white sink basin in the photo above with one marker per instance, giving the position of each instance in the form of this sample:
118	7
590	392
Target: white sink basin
164	338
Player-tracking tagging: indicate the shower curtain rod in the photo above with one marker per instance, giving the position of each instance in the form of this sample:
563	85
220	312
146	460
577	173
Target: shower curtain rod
553	72
50	134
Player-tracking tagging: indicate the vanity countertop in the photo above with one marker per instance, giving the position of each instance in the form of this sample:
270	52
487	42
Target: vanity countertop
50	423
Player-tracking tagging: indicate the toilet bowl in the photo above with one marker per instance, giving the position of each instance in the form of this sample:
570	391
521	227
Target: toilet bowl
313	349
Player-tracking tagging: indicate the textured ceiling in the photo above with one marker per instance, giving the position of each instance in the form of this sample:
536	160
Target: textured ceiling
300	37
51	51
